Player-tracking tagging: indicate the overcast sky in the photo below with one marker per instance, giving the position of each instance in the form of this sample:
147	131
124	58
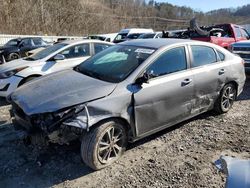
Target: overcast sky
207	5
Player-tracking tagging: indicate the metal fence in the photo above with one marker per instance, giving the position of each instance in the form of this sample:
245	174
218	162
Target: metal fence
5	38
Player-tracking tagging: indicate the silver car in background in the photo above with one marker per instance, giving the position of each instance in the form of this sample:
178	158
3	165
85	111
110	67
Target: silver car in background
127	92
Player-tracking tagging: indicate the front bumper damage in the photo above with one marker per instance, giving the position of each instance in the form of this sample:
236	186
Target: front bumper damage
58	127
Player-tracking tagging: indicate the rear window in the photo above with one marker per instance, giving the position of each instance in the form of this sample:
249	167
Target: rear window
203	55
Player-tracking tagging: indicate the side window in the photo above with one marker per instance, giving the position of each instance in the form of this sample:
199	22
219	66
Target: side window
81	50
159	35
221	55
238	33
99	47
244	33
25	43
203	55
38	41
171	61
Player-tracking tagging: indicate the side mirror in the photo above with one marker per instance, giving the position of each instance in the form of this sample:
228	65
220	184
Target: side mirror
58	57
143	79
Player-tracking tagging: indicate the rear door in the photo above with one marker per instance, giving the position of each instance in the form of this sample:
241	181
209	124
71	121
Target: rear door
210	72
166	98
25	46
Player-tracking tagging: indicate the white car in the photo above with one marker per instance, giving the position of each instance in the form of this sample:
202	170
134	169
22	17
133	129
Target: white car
60	56
155	35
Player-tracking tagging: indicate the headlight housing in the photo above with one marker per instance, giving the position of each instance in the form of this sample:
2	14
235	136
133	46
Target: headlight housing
10	73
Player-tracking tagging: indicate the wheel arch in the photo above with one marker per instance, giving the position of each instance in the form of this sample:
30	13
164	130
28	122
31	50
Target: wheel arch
235	84
121	120
24	79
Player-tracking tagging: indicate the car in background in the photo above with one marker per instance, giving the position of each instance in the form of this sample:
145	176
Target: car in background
126	92
242	48
54	58
17	48
133	36
122	35
155	35
104	37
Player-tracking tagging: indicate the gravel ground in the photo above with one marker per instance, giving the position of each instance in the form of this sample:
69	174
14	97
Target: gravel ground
181	156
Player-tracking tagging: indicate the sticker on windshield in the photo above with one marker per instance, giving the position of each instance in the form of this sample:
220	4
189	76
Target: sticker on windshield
145	51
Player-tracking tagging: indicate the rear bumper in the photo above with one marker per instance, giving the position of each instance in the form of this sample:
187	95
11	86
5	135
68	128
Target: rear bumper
8	85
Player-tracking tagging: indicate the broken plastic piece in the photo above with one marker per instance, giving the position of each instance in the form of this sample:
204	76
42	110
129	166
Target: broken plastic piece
237	171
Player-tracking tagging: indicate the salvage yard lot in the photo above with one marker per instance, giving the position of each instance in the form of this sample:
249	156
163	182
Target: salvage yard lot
181	156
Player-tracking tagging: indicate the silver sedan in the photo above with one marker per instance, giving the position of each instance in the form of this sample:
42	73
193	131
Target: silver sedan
127	92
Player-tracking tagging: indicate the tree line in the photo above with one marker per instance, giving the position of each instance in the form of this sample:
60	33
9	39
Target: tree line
82	17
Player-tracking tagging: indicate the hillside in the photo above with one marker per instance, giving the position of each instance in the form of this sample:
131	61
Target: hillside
81	17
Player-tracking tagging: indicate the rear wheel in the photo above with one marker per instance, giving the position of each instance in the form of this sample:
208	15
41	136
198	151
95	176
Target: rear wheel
226	99
104	144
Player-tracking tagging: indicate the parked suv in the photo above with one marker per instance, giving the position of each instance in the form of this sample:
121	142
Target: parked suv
17	48
242	49
127	92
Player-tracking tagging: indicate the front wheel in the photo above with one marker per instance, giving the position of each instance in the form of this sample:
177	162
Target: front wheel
104	144
13	56
226	99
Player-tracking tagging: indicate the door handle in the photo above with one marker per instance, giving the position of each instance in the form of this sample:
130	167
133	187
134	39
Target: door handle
186	81
222	71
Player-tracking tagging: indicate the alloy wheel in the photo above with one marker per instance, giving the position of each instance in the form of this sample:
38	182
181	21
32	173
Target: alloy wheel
228	98
111	144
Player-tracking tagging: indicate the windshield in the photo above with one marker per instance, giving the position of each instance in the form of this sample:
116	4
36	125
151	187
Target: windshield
134	36
13	42
147	36
115	63
121	36
47	51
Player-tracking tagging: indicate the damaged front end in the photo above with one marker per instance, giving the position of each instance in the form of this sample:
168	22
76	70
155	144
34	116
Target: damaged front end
59	127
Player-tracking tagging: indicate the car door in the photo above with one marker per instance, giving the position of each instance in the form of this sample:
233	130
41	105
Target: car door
25	46
166	98
74	55
209	76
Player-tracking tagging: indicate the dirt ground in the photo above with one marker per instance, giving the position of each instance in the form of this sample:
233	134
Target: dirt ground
182	156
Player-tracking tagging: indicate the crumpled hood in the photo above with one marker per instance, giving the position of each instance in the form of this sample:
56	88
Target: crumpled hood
59	90
15	64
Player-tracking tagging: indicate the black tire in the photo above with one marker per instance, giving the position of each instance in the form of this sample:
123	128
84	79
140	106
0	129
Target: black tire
226	99
97	157
13	56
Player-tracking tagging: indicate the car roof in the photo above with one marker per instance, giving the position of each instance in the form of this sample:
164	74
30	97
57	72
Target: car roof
154	43
76	41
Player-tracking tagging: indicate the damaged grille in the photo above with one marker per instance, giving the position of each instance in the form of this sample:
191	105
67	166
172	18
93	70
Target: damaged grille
244	56
245	49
